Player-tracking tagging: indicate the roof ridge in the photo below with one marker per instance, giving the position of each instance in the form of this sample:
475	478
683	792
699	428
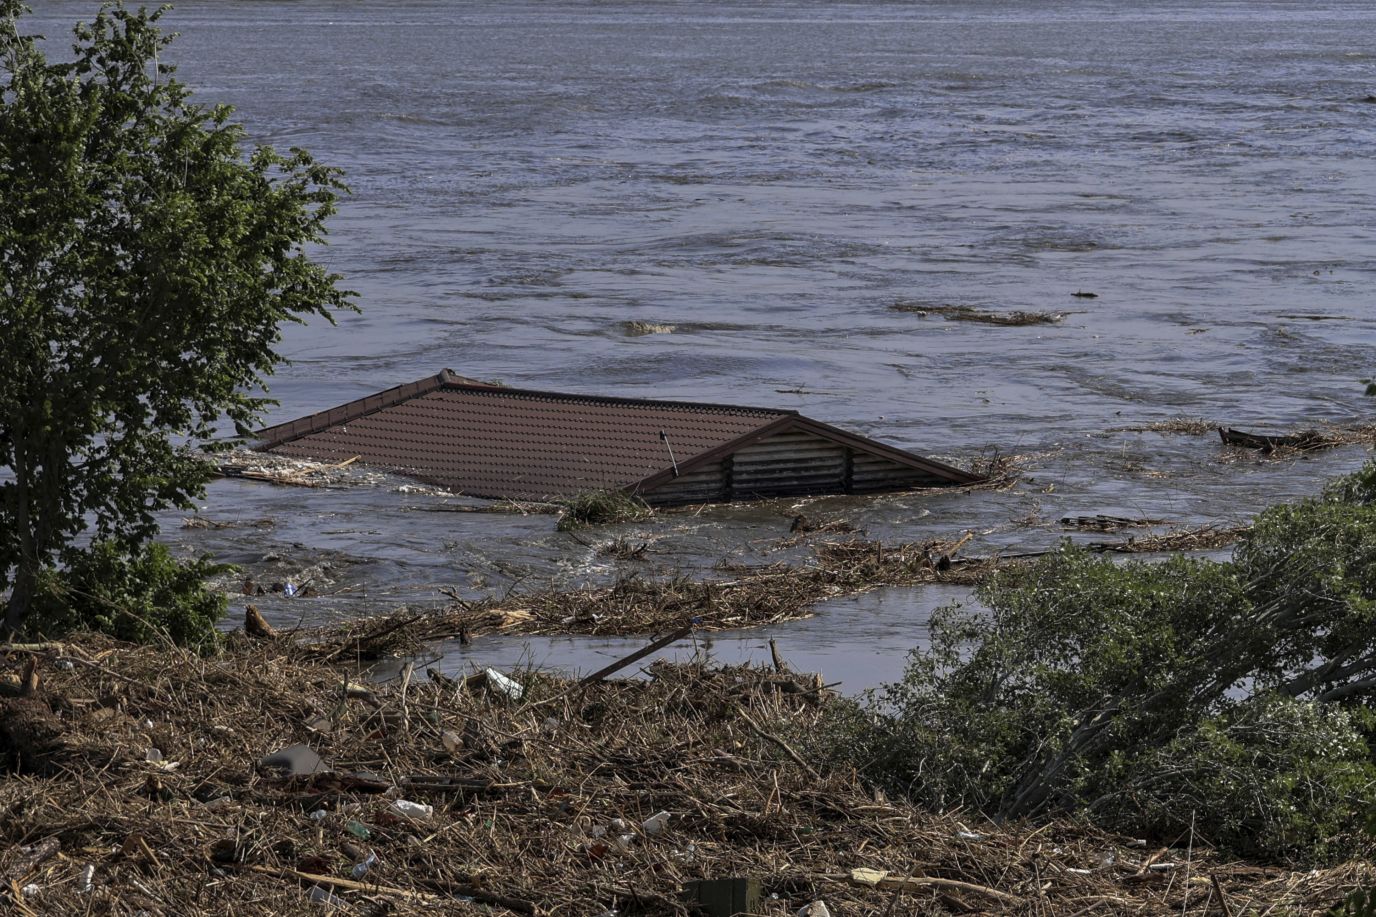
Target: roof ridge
451	380
276	435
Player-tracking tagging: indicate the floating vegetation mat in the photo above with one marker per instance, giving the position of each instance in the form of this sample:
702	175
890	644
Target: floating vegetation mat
638	328
752	596
144	784
1189	538
277	469
970	314
1185	426
1289	445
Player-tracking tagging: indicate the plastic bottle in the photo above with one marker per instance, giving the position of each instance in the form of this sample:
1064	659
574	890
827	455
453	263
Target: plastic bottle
361	868
417	811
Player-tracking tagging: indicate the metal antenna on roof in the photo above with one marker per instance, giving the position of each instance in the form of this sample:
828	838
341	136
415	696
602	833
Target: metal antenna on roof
664	437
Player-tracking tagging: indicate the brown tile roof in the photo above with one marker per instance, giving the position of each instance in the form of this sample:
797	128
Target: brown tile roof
492	441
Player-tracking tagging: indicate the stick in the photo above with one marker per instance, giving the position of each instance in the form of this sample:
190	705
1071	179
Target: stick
779	665
33	647
787	749
637	655
350	884
1221	895
907	883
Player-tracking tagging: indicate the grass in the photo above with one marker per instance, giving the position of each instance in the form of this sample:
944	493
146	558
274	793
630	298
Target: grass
601	507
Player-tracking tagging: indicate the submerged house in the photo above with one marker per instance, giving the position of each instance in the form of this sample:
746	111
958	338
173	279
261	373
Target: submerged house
491	441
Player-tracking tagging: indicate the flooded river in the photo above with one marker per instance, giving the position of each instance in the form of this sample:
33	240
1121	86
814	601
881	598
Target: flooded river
771	179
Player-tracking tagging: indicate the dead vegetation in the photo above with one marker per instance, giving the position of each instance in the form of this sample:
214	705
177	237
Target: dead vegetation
1108	523
955	313
1190	538
1184	426
752	597
150	794
601	507
1291	445
277	469
639	328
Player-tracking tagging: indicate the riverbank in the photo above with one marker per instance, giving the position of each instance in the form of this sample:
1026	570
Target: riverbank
137	784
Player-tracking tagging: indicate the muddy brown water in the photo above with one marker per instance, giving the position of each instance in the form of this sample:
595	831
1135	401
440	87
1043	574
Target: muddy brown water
771	179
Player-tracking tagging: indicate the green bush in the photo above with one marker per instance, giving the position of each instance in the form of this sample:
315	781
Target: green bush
1273	777
144	596
1147	694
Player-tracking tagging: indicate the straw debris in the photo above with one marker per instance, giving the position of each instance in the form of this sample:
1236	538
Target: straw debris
639	328
602	507
634	604
954	313
1184	426
1187	538
547	805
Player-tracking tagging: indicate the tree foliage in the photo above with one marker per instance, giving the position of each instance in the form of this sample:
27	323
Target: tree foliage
144	597
1152	696
147	261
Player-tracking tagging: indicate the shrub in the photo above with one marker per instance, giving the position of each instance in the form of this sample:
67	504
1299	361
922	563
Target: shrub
142	595
1273	777
1142	692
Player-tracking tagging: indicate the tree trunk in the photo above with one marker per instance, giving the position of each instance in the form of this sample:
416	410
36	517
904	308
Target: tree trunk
26	573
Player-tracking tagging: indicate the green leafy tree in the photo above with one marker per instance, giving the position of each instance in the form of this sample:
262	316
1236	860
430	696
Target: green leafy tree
148	258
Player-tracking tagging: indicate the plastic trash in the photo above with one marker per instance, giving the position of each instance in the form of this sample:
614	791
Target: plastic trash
297	760
451	741
65	665
655	824
358	829
507	686
618	826
153	755
326	897
417	811
289	589
318	815
361	869
30	890
624	841
969	836
88	875
817	908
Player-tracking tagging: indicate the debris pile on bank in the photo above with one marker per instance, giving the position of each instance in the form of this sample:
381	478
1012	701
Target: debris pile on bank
147	780
743	596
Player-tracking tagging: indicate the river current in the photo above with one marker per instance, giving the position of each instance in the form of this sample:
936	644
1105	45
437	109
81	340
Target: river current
771	179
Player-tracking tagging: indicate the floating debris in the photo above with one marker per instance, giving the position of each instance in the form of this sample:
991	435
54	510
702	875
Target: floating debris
755	596
970	314
638	328
1081	294
1289	445
276	469
1197	538
1187	426
1108	523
